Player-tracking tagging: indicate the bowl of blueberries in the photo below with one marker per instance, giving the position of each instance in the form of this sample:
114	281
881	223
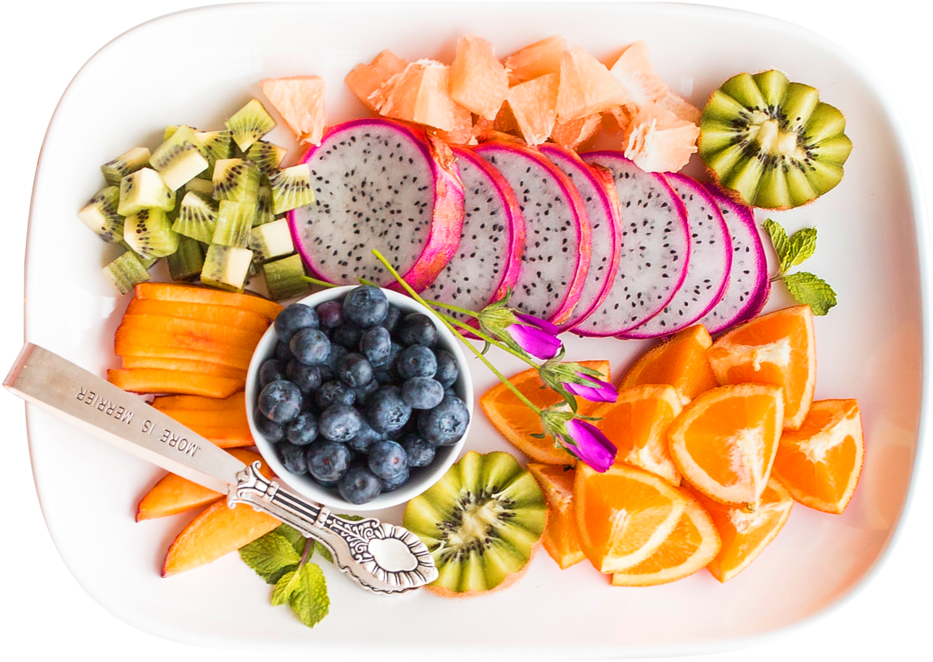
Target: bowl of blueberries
359	398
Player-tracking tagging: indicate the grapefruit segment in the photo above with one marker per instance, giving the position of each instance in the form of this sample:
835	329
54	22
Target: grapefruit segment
574	134
300	102
586	86
532	105
658	141
634	71
365	80
421	94
478	81
535	60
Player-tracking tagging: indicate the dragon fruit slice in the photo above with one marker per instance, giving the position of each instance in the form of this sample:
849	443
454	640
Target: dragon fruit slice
601	201
557	235
749	285
379	184
488	258
710	263
655	248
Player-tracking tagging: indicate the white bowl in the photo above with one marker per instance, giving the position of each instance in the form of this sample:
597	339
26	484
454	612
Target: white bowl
421	478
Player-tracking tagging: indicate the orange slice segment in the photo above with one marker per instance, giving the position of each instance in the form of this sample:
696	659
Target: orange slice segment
693	543
680	362
820	463
725	440
516	422
777	348
560	535
637	423
623	515
745	532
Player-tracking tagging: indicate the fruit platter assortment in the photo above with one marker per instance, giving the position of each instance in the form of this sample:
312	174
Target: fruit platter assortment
472	187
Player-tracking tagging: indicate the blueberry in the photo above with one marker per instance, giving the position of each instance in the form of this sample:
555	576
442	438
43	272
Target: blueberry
327	373
283	352
280	401
271	370
417	329
420	451
450	391
328	461
337	352
295	318
333	393
365	306
393	317
447	370
306	377
386	410
411	425
303	430
331	314
310	346
382	377
416	361
347	335
387	459
272	432
365	438
395	483
359	485
294	458
340	423
446	423
354	370
422	393
363	393
376	346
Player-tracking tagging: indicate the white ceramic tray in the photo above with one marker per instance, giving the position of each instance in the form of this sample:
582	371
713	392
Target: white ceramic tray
870	347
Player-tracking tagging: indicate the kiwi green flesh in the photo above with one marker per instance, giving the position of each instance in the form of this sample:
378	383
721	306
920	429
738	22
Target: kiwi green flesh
234	222
150	234
100	214
126	272
197	217
226	267
264	213
755	125
266	156
236	180
291	188
285	277
480	522
144	189
125	164
249	124
185	264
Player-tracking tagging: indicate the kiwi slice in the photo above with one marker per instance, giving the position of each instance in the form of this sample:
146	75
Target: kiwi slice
264	213
197	217
249	124
125	164
285	278
226	267
266	156
291	188
271	240
144	189
202	186
185	264
234	220
100	214
126	271
481	522
180	158
236	180
150	233
772	141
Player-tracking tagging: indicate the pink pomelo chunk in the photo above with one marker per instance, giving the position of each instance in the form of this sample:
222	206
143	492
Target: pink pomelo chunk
634	71
658	141
478	81
300	102
533	105
576	133
535	60
586	86
421	94
366	80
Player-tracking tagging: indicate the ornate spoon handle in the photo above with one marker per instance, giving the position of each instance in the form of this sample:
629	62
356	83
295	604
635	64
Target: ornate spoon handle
378	556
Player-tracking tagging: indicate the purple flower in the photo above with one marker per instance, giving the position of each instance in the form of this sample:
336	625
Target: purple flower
535	336
575	379
591	445
592	389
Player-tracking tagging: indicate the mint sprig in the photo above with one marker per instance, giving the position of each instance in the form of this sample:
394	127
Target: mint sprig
282	558
792	251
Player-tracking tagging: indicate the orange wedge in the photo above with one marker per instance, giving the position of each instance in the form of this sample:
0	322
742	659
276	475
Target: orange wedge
623	515
637	424
516	422
560	535
777	348
820	463
680	362
693	543
746	532
724	441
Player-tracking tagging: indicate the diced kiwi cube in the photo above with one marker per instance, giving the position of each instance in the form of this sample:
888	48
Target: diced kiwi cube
264	212
149	233
144	189
266	156
285	278
271	240
226	267
126	272
186	263
291	188
197	217
125	164
180	158
100	214
249	124
236	180
203	186
234	221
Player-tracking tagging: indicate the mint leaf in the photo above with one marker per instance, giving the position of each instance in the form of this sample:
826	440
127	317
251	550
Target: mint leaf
270	556
294	537
807	288
285	587
323	551
309	598
802	246
779	240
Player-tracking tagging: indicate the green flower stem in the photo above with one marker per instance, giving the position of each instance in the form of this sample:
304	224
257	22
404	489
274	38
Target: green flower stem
315	281
487	338
456	309
453	330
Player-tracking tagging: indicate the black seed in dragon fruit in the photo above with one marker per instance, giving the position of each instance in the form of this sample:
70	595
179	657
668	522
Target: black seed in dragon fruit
556	256
655	248
601	201
749	285
385	185
710	263
488	258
